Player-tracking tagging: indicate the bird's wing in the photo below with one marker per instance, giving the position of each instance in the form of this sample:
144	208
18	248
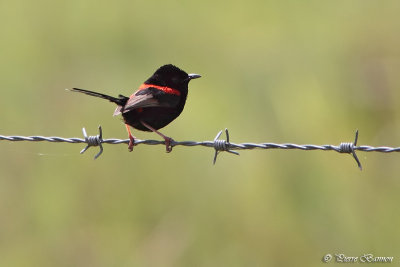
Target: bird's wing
145	98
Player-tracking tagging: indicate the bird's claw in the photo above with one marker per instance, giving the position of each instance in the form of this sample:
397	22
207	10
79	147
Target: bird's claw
131	143
168	145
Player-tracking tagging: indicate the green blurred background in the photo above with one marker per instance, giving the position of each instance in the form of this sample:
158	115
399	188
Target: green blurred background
273	71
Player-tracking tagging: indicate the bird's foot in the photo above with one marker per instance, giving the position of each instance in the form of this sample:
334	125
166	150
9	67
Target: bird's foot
131	143
131	138
168	145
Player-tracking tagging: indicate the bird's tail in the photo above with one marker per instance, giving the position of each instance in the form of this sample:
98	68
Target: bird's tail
120	101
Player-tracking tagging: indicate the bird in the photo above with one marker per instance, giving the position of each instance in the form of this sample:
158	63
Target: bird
156	103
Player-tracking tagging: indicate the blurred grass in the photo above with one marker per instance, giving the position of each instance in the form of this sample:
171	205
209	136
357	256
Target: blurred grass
303	72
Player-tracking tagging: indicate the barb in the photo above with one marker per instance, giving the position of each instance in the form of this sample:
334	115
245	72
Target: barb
350	148
93	141
222	145
217	144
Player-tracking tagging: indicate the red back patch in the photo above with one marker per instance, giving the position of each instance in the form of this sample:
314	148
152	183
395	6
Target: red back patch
165	89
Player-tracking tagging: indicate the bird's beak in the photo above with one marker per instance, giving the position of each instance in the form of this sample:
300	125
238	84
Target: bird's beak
193	76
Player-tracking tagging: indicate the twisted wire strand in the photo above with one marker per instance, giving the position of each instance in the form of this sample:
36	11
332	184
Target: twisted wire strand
217	144
242	146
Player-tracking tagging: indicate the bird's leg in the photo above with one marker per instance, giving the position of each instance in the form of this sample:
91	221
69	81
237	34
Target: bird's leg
131	138
167	139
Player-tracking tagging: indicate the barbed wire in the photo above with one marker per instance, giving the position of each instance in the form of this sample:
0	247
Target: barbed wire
218	144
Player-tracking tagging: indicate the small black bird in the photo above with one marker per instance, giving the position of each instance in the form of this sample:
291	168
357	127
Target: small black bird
157	102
